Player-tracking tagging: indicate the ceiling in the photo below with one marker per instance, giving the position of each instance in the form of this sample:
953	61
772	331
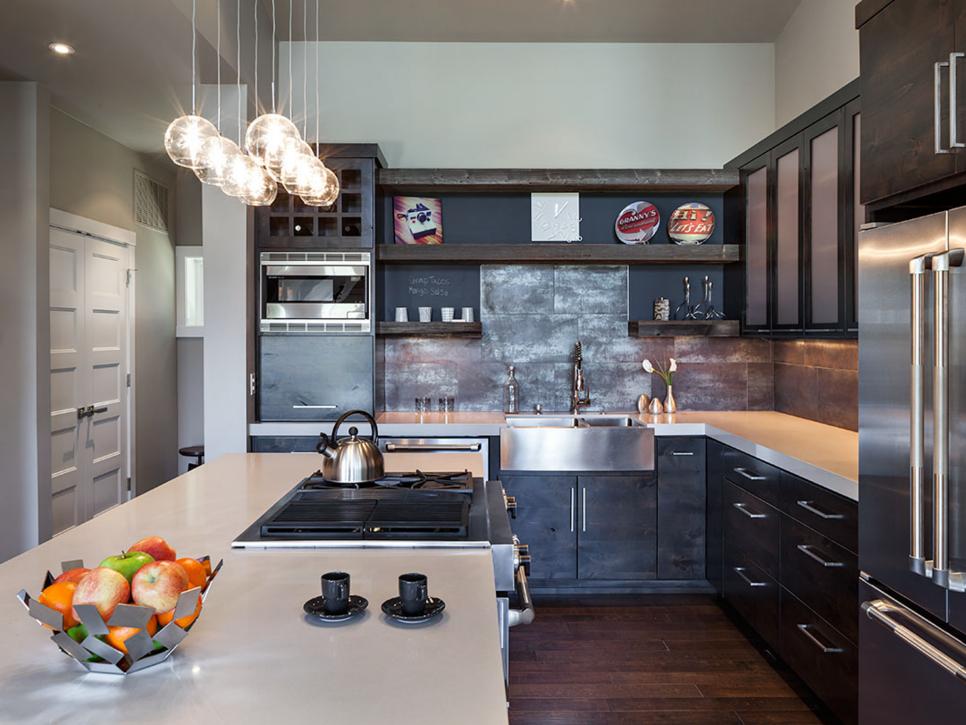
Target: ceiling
131	73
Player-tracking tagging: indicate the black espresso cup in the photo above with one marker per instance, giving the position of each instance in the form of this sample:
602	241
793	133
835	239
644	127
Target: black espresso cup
413	593
335	592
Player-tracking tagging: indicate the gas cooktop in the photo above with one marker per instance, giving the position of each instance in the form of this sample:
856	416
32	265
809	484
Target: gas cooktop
459	482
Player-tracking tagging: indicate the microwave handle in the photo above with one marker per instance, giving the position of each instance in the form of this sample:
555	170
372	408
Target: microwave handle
304	406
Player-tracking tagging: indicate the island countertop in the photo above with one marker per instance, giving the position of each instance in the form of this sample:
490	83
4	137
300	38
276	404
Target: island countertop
253	657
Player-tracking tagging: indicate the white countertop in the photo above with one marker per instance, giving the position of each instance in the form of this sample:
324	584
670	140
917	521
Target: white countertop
823	454
253	657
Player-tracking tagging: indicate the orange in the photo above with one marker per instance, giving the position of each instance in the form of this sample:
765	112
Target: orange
165	617
59	596
117	636
196	572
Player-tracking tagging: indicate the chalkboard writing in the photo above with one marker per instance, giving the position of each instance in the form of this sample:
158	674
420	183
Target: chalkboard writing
429	285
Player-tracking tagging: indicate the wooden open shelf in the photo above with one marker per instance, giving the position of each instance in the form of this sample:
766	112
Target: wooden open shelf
683	328
541	253
429	329
630	180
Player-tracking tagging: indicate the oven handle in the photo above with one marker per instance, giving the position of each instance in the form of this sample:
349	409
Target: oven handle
431	447
527	613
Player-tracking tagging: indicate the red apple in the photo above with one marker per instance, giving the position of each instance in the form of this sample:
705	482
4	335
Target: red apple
158	584
156	547
72	575
104	588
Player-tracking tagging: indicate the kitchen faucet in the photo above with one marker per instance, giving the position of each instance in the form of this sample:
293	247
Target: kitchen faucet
579	393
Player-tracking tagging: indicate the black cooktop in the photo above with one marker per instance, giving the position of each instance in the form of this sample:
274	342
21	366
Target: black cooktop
459	482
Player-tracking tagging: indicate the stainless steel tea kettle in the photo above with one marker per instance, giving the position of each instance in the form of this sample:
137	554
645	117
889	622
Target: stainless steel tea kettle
352	459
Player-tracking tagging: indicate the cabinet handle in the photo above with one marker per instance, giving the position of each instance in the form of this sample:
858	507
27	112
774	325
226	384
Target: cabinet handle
99	409
682	453
573	509
750	476
954	142
879	610
806	629
740	571
434	447
808	550
304	406
918	268
583	508
750	514
937	110
811	508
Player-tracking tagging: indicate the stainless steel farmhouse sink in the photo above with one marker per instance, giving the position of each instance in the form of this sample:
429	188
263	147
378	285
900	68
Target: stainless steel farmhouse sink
576	443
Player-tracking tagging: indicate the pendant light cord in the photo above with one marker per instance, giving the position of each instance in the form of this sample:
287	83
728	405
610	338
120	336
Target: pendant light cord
238	65
194	53
255	6
274	94
218	58
291	102
317	77
305	73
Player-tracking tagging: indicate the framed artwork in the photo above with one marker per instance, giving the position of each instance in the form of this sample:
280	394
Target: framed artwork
555	217
417	220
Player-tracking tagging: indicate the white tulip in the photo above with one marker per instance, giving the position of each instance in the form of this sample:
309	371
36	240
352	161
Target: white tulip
673	366
648	368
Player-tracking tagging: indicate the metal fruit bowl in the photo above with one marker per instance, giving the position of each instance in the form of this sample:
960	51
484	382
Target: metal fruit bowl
96	655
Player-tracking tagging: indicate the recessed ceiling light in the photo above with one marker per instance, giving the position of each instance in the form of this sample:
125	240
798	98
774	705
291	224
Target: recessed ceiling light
61	48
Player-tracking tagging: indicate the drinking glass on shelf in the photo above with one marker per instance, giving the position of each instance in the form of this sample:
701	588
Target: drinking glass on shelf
419	406
450	403
427	404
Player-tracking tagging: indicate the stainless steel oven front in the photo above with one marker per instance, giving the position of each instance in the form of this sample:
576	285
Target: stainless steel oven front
316	292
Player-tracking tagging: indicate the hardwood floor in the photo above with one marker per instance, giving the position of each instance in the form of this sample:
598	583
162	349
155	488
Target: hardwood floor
623	660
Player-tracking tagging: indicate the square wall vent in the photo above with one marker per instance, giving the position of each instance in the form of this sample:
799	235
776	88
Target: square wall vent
150	202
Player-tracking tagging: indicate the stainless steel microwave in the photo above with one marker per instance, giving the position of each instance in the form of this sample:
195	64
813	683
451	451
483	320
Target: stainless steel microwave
316	292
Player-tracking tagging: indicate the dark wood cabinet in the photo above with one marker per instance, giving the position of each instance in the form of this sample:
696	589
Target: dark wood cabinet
899	47
681	501
800	222
546	521
751	529
617	537
314	377
715	464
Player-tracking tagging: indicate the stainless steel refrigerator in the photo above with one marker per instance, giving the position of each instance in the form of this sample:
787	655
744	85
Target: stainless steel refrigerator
912	471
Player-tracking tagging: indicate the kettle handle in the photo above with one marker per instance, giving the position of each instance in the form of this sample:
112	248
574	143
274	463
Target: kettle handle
323	444
366	415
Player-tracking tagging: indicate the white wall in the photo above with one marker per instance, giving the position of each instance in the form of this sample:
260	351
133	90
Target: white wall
816	54
541	104
24	319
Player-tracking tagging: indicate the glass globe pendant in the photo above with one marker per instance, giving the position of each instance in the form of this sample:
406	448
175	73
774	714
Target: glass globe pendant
218	153
323	189
267	138
237	179
262	188
185	138
295	159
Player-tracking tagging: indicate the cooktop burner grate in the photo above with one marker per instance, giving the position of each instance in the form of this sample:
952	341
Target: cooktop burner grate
460	482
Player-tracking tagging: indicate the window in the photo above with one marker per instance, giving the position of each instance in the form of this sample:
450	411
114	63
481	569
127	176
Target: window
190	286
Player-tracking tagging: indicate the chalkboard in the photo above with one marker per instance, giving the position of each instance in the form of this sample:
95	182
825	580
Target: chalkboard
431	285
647	283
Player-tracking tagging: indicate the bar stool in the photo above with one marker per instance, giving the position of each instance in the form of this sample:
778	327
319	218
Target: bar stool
196	452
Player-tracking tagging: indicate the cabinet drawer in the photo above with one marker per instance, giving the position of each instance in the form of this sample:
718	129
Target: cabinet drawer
754	595
752	475
314	377
828	513
751	528
822	574
821	656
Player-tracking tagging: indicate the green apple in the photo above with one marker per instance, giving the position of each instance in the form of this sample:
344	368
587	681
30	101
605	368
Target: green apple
128	563
78	633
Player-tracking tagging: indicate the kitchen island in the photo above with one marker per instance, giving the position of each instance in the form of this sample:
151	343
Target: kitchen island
253	656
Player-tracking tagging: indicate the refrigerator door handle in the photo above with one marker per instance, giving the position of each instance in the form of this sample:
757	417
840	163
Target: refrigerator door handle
918	268
879	610
941	264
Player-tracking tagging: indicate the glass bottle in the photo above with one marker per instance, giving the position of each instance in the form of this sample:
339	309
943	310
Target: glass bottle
511	393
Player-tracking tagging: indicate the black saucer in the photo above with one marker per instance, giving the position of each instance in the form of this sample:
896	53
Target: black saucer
357	605
393	609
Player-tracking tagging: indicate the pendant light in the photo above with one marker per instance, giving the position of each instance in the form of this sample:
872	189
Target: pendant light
296	155
322	187
217	151
251	182
185	137
271	134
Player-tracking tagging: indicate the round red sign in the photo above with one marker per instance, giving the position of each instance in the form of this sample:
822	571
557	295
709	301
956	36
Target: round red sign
637	223
691	224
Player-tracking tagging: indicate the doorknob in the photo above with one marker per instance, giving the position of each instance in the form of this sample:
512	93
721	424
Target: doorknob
93	410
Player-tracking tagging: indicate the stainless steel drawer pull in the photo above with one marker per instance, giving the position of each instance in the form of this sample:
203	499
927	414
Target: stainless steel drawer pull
750	514
812	509
740	571
879	610
583	508
808	550
305	406
750	476
806	629
682	453
573	509
433	447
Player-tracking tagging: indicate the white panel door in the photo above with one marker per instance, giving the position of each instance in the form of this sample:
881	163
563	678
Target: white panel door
89	366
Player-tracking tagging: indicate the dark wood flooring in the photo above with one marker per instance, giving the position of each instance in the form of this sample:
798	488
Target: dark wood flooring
622	660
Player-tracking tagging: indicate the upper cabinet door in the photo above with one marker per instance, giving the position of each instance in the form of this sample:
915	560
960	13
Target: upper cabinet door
787	210
854	211
824	263
755	181
899	49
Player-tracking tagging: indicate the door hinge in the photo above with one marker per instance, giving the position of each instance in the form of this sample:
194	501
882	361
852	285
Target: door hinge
127	380
129	275
130	492
251	384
